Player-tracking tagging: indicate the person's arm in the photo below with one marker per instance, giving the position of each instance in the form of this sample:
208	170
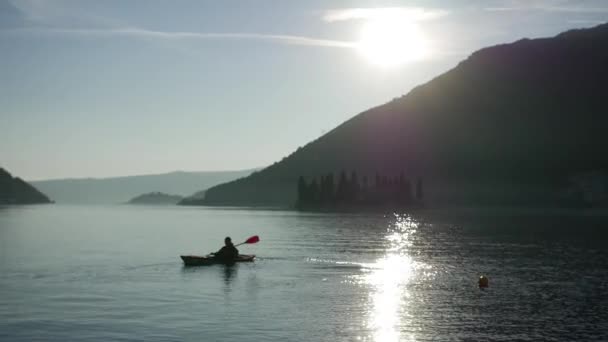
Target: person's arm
220	252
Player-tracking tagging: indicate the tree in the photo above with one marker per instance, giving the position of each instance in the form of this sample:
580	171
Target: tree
330	186
314	192
395	189
419	194
302	191
342	190
323	190
353	187
407	189
401	193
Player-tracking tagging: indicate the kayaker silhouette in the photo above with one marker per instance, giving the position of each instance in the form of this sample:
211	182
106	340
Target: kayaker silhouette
228	252
227	255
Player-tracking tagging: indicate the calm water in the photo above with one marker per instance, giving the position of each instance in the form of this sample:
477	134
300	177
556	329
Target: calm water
78	273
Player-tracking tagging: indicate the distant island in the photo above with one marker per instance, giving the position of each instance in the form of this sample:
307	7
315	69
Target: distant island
156	198
518	124
14	190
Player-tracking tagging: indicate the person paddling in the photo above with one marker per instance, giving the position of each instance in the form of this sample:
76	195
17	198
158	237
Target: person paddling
228	252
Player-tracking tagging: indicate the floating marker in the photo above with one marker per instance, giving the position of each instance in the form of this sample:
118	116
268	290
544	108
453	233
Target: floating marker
483	282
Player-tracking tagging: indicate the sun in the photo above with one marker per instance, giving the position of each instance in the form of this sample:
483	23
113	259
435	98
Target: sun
390	42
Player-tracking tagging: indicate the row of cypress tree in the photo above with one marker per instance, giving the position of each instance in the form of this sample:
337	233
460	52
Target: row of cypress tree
325	192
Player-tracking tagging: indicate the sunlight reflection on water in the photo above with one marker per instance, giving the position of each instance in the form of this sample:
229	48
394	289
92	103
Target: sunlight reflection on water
388	279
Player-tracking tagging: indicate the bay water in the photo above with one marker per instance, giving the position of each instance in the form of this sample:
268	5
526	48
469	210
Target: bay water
113	273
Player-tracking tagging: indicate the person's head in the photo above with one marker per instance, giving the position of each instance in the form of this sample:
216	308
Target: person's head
228	241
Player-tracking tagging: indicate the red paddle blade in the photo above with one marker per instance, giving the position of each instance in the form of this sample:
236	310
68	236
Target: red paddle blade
253	239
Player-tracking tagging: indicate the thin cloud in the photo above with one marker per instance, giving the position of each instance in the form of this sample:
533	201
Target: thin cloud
151	34
503	9
586	21
411	13
549	8
578	9
46	19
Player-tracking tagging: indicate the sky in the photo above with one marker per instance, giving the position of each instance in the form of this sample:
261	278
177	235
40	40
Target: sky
124	87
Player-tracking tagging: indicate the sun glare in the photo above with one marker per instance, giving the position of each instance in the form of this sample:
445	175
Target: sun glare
391	41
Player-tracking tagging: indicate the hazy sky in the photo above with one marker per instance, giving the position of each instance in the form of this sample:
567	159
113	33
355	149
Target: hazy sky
107	88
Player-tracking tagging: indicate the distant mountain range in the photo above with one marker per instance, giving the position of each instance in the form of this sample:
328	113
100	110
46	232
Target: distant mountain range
511	124
14	190
122	189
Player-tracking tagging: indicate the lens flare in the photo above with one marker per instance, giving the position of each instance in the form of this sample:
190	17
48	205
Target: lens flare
390	42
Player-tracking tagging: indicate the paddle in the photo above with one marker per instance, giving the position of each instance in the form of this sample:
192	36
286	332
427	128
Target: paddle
253	239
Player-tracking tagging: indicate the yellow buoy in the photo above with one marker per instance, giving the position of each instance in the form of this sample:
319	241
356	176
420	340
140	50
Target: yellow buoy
483	282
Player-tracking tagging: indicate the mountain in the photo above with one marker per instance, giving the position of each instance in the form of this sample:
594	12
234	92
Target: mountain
511	124
156	198
13	190
121	189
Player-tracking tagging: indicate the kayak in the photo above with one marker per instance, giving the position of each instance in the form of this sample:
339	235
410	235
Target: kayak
196	260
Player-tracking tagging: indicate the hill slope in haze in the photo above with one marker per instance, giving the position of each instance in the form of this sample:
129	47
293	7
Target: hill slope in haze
511	124
155	198
13	190
122	189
